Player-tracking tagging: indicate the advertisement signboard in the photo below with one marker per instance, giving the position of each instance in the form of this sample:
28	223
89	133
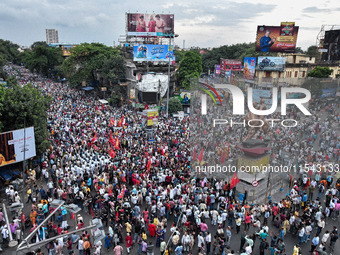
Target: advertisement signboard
132	93
143	24
259	94
184	97
151	52
13	147
277	38
271	64
231	64
218	69
249	68
151	116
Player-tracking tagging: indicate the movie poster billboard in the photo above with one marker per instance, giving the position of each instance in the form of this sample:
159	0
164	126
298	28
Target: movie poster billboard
277	38
13	147
152	52
249	68
271	64
143	24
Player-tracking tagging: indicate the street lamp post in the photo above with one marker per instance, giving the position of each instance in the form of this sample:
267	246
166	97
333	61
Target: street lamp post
169	63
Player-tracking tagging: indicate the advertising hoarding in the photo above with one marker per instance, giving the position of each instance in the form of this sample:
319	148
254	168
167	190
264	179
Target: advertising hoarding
151	52
132	93
277	38
143	24
231	64
271	64
152	116
184	97
12	146
249	68
218	69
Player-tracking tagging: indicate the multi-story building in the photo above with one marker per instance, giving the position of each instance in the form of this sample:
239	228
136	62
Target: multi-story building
52	36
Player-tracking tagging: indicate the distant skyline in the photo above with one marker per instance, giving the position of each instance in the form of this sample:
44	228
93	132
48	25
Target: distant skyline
200	23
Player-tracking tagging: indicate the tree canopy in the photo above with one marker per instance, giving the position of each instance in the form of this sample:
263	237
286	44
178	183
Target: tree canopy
42	58
189	67
320	72
25	102
88	60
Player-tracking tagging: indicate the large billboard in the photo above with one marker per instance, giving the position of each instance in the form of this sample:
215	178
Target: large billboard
13	147
151	52
230	64
271	63
331	46
277	38
140	24
249	68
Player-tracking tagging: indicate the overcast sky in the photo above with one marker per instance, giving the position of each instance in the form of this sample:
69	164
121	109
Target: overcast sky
202	23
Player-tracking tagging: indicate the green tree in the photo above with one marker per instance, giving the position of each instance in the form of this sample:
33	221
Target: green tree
87	60
42	58
9	51
27	103
189	67
174	105
320	72
313	51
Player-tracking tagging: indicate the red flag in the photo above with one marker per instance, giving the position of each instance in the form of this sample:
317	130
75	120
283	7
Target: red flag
162	151
73	216
103	107
234	181
120	122
94	139
117	216
121	194
200	157
117	144
96	108
112	153
112	121
110	191
111	138
124	179
149	164
194	157
92	212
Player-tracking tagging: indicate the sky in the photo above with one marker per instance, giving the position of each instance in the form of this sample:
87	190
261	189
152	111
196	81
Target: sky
202	23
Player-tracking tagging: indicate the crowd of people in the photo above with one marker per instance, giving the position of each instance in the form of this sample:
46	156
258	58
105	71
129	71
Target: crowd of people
146	194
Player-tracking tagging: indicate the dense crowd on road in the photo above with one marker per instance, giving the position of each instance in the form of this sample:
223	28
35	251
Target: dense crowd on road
144	192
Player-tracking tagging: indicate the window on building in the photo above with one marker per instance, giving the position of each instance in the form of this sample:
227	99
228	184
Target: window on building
267	74
296	74
303	73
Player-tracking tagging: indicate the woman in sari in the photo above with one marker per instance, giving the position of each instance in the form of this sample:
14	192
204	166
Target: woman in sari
160	236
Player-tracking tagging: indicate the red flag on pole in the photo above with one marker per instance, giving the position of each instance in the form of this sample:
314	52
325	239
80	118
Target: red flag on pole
94	139
121	194
194	157
117	216
112	121
96	108
73	216
110	191
162	151
200	157
120	122
103	107
234	181
124	179
111	138
92	212
149	164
